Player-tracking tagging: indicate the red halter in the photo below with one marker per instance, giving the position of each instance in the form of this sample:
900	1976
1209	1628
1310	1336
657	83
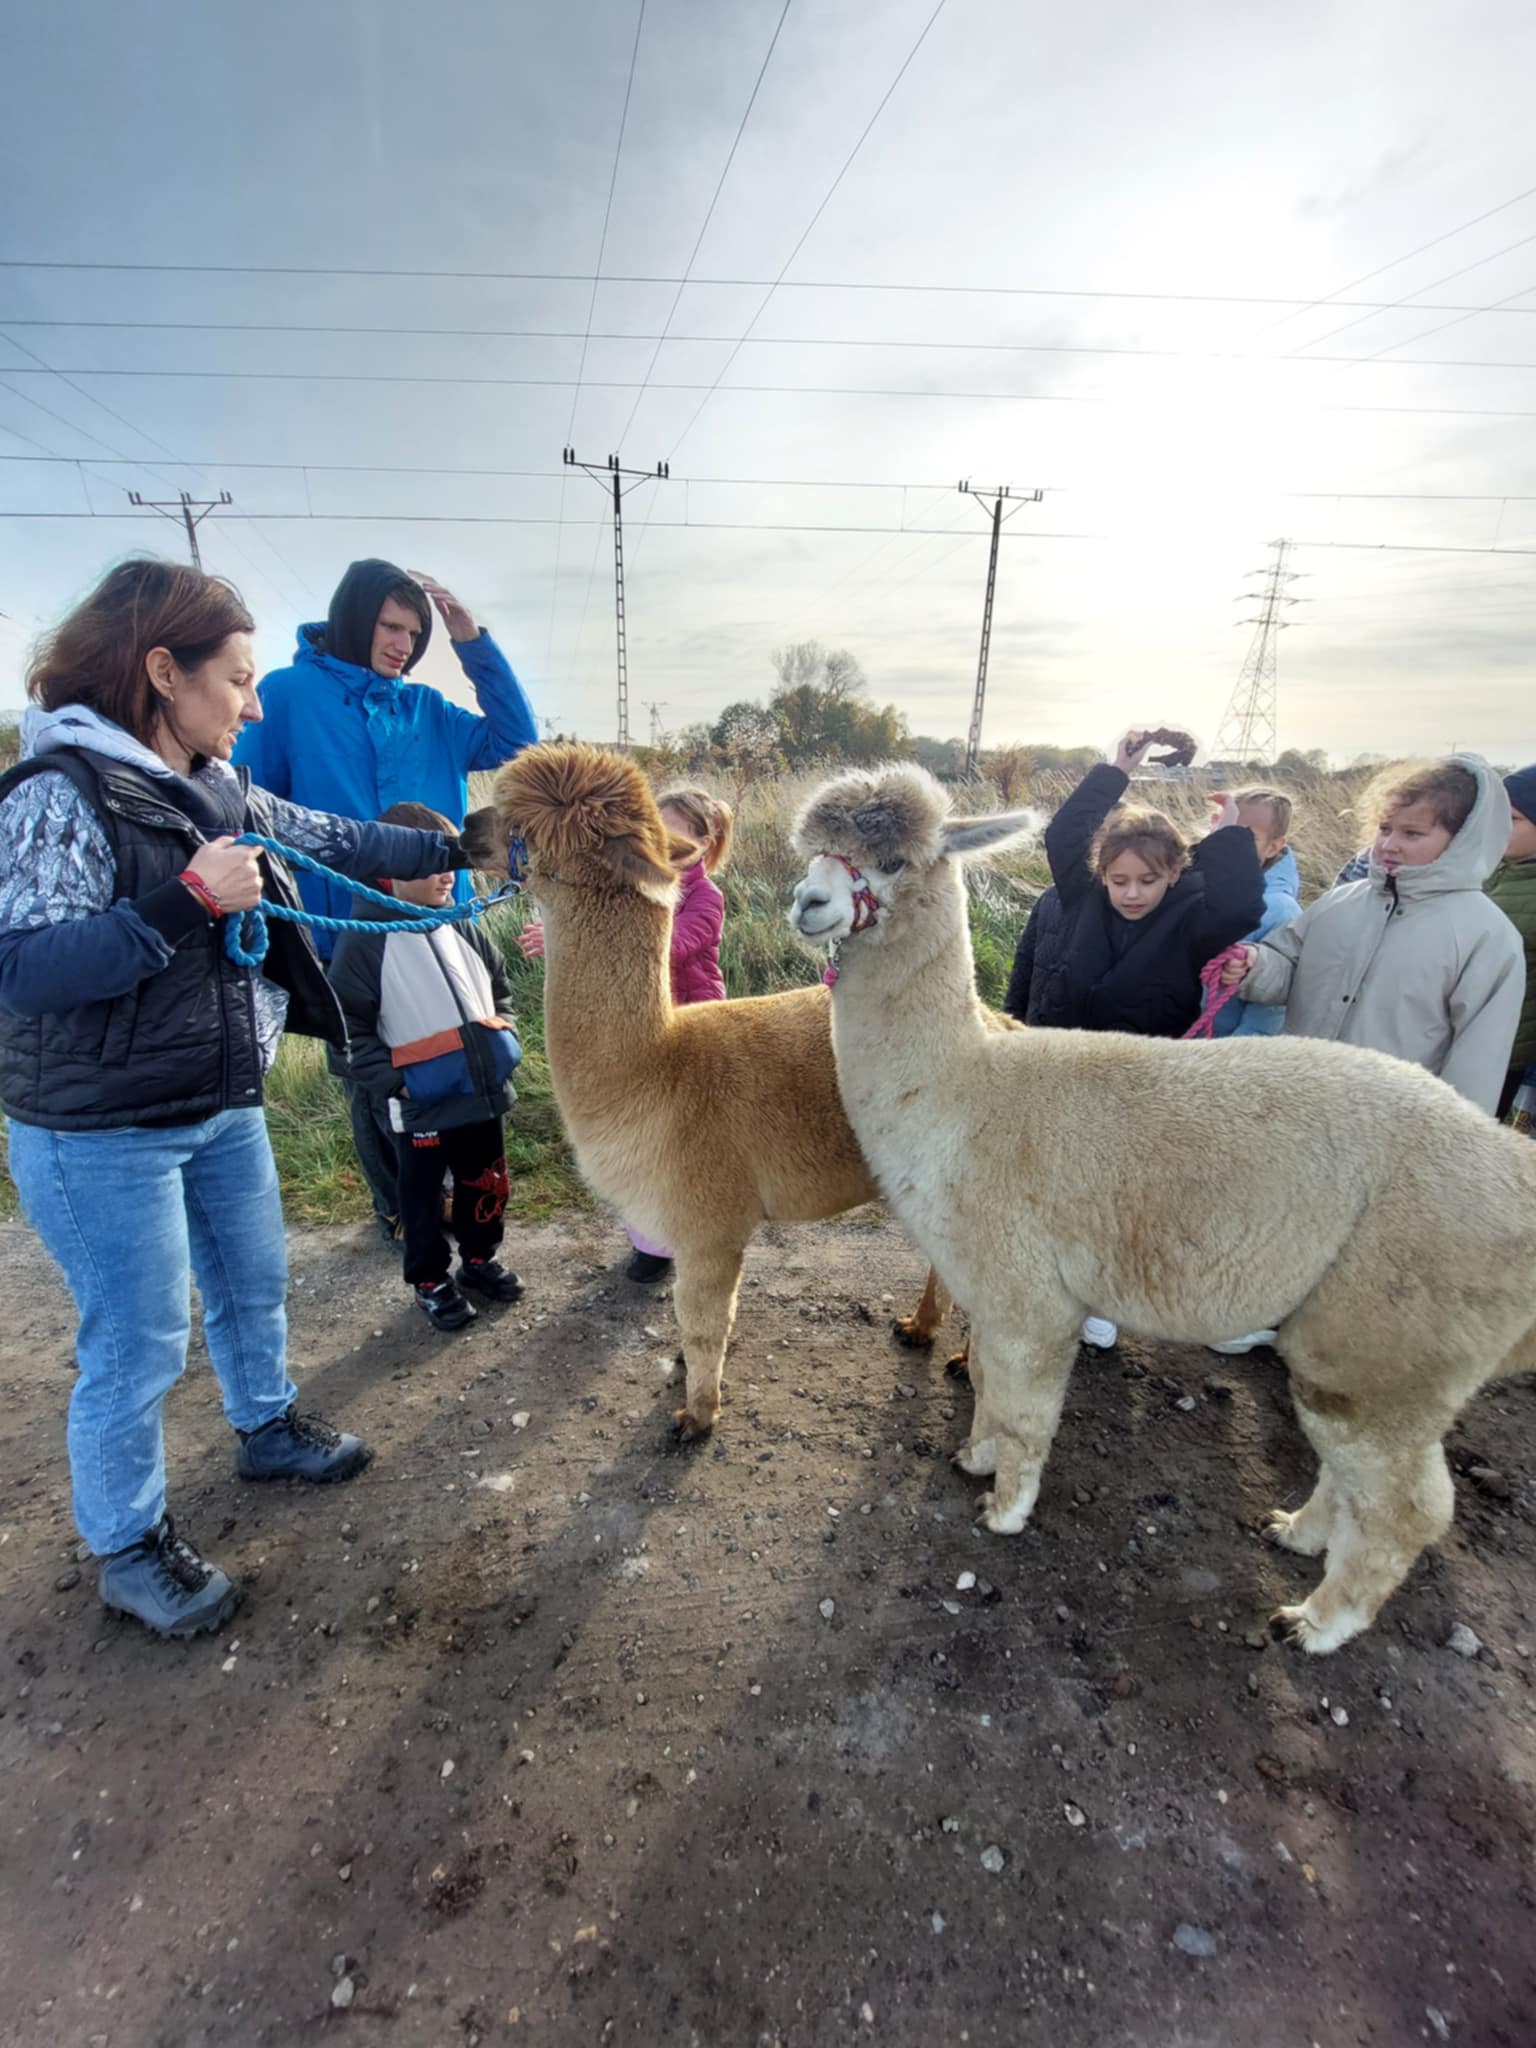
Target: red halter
866	911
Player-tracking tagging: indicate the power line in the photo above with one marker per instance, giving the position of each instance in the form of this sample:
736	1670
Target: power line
65	377
808	483
1425	332
1337	297
806	231
1020	348
762	526
602	250
803	284
709	214
1462	312
136	462
748	390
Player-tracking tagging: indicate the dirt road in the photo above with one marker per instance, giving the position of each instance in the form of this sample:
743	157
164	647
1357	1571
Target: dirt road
542	1731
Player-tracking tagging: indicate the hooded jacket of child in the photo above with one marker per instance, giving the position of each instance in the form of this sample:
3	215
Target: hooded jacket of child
697	924
336	736
1420	963
1282	902
429	1022
1093	970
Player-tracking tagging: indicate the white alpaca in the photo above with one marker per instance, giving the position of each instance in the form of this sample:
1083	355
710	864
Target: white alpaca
1366	1211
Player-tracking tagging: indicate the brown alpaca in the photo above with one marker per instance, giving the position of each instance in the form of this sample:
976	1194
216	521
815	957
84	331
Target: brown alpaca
699	1123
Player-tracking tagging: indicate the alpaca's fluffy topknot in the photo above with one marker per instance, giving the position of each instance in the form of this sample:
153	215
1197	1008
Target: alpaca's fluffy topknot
570	797
876	816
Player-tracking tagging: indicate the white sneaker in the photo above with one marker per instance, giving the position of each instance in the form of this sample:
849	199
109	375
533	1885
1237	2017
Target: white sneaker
1235	1347
1100	1333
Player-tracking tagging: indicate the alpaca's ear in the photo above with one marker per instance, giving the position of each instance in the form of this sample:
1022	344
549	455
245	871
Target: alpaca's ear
482	839
630	857
682	851
966	836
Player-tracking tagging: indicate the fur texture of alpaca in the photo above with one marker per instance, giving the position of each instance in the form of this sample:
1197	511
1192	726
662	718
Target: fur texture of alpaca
698	1123
1382	1224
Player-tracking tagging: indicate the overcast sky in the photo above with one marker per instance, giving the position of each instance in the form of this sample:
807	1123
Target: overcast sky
1154	210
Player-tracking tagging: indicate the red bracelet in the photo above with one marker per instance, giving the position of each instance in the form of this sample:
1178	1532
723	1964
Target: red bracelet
202	892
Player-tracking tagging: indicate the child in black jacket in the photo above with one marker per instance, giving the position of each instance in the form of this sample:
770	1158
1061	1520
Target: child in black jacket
431	1040
1118	942
1135	914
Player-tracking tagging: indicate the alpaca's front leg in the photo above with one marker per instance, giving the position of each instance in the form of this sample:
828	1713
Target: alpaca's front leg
705	1299
977	1456
1025	1383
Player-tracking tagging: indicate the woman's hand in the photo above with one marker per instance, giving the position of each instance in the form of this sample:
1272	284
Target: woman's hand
1237	970
530	940
1132	751
230	872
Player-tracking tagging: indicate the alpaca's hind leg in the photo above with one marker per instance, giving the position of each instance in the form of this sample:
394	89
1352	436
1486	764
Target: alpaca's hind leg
1308	1530
704	1297
919	1329
978	1454
1388	1504
1026	1382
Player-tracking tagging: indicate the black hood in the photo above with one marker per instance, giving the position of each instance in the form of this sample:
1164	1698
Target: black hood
356	606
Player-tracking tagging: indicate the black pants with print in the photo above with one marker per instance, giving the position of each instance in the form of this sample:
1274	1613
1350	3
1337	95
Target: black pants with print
475	1154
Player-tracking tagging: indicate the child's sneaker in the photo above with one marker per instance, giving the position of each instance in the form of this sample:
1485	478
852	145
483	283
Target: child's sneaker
647	1267
1238	1347
491	1279
1100	1333
443	1305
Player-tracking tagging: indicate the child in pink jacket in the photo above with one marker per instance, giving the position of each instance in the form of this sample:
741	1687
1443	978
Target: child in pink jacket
697	922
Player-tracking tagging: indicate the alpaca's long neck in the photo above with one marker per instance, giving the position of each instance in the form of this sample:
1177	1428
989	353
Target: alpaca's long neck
607	995
906	1008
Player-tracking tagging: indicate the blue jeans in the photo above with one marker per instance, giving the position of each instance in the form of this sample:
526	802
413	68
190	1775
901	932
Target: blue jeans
126	1214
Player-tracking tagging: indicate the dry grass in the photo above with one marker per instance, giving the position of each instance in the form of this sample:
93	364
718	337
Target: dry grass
320	1178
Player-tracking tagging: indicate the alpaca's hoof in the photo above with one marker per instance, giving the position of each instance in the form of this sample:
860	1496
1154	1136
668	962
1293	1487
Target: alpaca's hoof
1002	1522
979	1460
1291	1533
1302	1627
688	1429
959	1366
913	1332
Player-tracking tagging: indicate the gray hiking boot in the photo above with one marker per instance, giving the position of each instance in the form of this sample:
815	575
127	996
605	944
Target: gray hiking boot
163	1582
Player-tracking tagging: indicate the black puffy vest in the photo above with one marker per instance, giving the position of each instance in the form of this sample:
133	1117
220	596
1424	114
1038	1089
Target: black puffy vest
182	1045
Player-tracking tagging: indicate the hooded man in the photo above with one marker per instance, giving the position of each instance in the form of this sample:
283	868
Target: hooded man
345	730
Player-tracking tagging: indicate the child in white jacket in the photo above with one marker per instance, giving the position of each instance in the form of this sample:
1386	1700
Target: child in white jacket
1415	960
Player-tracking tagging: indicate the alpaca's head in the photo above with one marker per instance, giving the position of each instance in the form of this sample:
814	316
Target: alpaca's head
584	818
872	840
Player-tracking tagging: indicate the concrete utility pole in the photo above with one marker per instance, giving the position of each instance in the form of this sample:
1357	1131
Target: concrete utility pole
611	476
973	737
181	509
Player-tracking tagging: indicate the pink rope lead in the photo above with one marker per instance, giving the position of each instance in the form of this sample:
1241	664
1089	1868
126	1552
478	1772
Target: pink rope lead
1216	998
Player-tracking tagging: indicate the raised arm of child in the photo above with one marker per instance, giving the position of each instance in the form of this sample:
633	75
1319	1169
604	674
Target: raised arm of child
1071	832
1227	861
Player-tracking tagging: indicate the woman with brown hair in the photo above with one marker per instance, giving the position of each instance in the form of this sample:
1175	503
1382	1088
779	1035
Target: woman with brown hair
133	1049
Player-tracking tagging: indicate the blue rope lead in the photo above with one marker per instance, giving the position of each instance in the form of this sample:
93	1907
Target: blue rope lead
245	932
